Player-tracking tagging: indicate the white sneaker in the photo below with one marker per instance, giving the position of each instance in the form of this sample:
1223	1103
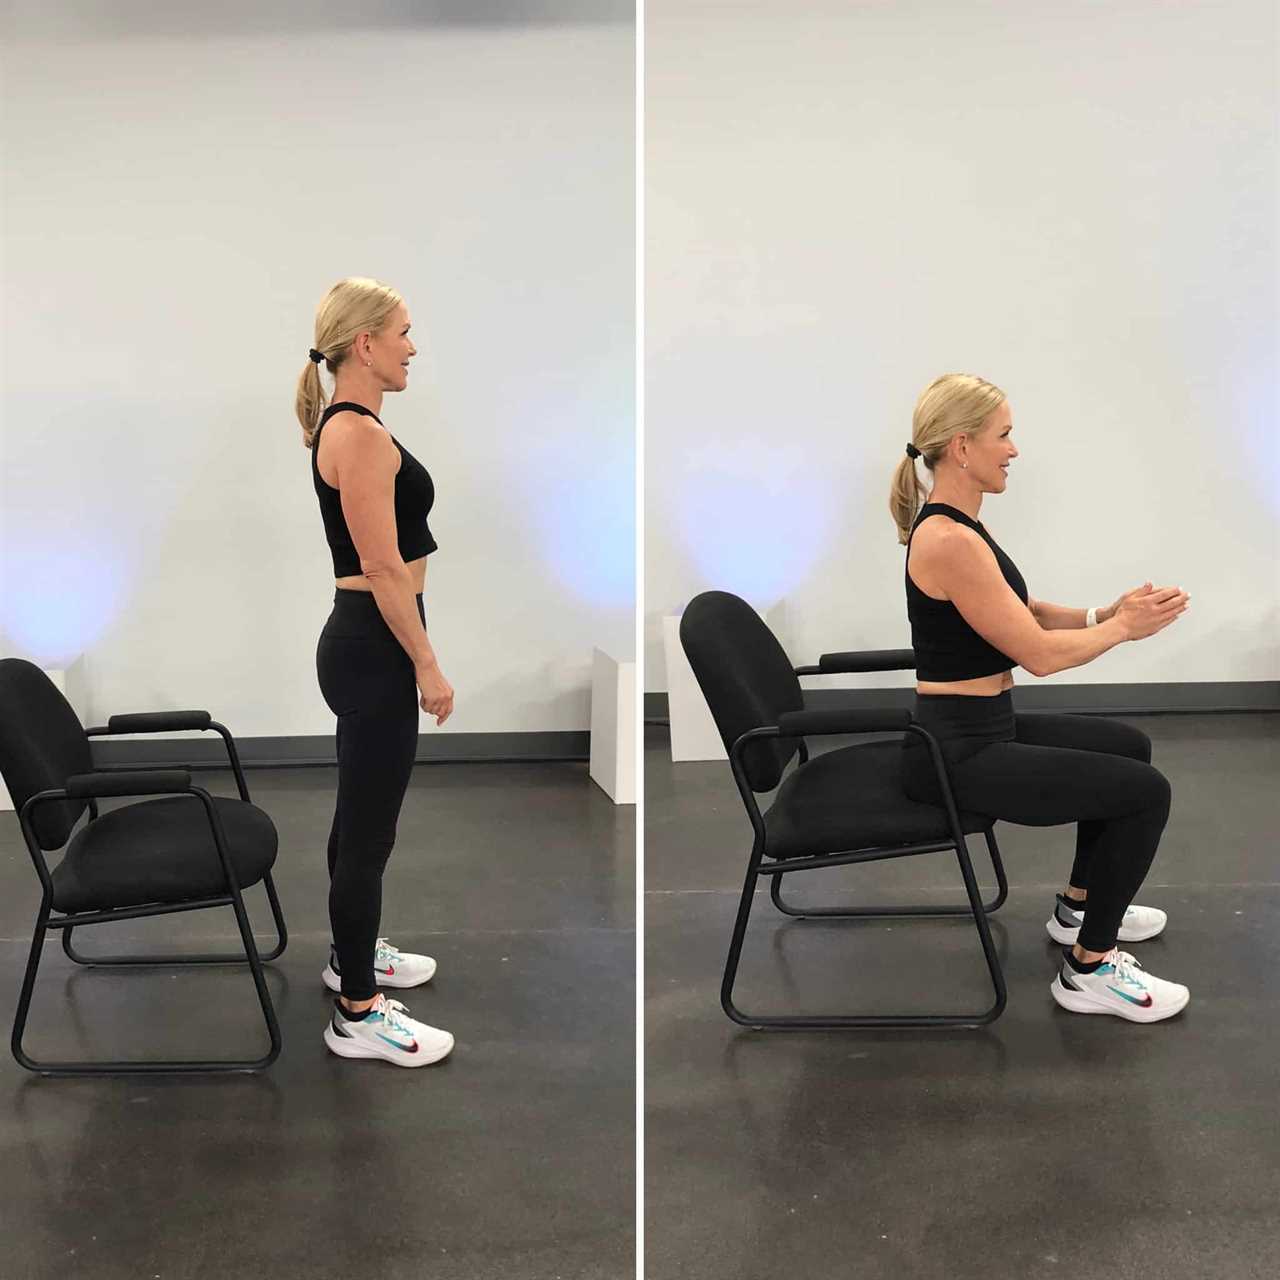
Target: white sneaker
391	968
1119	985
386	1031
1139	923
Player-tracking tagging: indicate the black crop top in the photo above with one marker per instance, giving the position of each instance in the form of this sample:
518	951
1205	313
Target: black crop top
947	647
414	496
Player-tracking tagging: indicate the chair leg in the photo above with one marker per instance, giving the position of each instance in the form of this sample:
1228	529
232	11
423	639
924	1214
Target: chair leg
282	940
151	1068
28	986
997	863
876	913
838	1021
984	929
260	978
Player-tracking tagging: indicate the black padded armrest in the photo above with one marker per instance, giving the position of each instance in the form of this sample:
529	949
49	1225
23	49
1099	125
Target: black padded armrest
136	782
868	660
795	724
159	721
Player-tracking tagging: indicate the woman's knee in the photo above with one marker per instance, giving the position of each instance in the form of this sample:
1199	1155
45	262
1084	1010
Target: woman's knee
1155	790
364	851
1127	740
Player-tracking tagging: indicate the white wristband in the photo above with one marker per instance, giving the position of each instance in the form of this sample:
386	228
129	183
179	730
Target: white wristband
1091	618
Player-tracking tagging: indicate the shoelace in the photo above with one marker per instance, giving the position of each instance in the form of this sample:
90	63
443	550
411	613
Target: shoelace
386	951
391	1011
1124	965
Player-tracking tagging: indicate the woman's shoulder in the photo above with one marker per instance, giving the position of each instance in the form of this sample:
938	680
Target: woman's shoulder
354	440
349	427
940	544
352	417
939	528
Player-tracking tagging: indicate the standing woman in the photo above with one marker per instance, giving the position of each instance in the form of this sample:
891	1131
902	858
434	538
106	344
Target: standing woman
375	663
972	620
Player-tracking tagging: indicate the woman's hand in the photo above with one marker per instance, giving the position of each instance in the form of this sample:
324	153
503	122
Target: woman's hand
1146	610
436	692
1104	614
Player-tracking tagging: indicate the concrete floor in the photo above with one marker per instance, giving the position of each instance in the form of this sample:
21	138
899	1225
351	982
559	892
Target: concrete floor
515	1157
1048	1143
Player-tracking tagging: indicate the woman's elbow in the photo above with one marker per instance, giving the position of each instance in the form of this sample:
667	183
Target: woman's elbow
381	568
1036	667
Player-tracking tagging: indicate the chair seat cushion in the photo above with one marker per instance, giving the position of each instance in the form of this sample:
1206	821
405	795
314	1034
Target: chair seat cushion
162	851
850	799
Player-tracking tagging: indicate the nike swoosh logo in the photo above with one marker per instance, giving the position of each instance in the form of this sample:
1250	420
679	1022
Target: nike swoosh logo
411	1047
389	971
1144	1003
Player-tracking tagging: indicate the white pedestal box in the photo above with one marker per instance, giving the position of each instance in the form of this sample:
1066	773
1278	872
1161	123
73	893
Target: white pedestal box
694	735
71	684
613	727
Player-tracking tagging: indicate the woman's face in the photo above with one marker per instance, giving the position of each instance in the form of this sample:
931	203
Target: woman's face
391	349
989	452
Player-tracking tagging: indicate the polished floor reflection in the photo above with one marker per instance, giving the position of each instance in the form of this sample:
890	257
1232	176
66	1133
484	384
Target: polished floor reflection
1046	1143
513	1157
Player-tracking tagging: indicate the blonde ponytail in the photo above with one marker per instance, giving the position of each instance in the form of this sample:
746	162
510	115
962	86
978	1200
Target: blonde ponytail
906	497
310	401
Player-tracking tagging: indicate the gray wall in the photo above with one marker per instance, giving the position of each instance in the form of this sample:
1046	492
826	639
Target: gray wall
181	186
1075	200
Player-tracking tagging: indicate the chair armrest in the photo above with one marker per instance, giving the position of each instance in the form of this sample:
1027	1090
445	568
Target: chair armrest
170	722
868	660
795	724
134	768
134	782
155	722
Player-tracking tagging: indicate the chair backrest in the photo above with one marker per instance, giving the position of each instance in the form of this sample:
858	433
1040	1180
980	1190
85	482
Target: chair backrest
42	743
746	678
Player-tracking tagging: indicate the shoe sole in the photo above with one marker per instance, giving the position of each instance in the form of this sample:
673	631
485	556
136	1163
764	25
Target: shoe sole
358	1049
1083	1002
334	983
1066	937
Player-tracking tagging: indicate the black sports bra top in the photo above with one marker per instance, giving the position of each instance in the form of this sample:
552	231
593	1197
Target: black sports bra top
414	497
946	646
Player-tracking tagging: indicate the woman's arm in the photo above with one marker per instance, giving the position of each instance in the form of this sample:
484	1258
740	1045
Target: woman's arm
1057	617
968	573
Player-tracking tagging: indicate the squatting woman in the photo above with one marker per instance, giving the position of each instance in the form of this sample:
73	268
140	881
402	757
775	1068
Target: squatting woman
973	620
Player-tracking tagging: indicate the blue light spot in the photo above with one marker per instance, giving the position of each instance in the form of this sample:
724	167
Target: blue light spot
753	521
58	596
585	512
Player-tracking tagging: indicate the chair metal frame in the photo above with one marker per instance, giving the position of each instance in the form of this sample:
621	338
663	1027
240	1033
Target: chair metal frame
126	781
809	723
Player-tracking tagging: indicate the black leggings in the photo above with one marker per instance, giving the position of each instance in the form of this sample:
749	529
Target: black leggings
1043	770
368	681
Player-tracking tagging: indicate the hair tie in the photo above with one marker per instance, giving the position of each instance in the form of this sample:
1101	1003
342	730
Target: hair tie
315	355
912	451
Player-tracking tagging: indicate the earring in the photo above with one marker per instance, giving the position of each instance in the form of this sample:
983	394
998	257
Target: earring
964	466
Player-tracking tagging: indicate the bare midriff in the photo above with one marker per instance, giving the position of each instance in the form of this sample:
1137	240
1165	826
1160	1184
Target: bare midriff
982	686
417	574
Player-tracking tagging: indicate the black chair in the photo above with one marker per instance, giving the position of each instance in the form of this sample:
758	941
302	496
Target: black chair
843	806
186	852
